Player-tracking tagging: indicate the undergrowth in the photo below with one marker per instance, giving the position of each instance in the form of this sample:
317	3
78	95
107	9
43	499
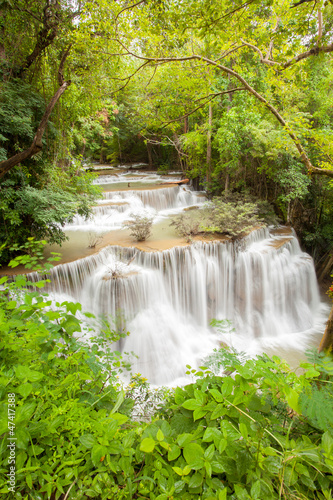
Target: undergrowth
256	431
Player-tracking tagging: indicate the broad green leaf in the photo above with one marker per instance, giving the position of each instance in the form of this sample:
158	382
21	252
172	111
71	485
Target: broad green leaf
25	389
88	440
147	445
191	404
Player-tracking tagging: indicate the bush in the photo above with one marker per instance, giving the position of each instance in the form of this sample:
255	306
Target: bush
232	218
140	226
186	226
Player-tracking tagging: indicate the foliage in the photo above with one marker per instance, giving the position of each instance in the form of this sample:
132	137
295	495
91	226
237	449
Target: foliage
242	429
140	226
20	109
186	225
41	212
232	218
67	393
330	290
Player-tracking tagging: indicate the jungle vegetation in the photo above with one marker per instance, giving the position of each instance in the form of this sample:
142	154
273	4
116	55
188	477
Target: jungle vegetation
236	95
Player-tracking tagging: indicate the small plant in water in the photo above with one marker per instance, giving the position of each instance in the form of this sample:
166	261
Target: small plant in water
140	226
94	239
186	226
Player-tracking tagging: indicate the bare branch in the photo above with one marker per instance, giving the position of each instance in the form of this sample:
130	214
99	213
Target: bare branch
128	8
61	79
262	58
312	52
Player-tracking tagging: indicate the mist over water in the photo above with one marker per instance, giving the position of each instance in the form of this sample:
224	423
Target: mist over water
264	284
167	299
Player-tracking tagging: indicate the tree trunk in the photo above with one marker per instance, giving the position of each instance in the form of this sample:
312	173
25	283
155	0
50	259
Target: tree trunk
326	343
209	142
37	144
150	157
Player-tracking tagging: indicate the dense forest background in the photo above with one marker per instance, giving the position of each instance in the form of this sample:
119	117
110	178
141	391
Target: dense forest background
236	95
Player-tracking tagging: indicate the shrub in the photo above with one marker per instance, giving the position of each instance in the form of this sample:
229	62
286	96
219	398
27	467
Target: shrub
186	225
140	226
232	218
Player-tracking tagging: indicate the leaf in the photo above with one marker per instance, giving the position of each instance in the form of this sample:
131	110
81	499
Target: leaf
216	395
243	430
192	452
178	470
195	480
292	399
191	404
219	411
256	489
24	372
24	412
174	452
199	413
159	435
98	451
24	389
28	480
209	452
147	445
88	440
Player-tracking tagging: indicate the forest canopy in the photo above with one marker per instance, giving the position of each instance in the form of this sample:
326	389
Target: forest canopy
236	94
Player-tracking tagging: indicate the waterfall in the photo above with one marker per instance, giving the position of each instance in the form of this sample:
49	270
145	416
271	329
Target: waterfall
117	206
265	285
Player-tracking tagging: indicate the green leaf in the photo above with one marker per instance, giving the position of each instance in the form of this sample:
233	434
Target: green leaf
191	404
174	452
24	389
216	395
28	479
24	412
255	490
243	430
192	452
23	372
292	399
159	435
219	411
195	480
88	440
97	453
147	445
178	470
209	452
199	413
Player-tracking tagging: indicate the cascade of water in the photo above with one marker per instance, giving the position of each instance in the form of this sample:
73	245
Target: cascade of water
118	206
166	299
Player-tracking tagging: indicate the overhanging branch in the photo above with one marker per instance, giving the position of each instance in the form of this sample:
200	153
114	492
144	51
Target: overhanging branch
36	145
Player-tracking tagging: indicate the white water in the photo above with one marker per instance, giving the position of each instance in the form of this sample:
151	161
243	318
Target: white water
118	206
166	299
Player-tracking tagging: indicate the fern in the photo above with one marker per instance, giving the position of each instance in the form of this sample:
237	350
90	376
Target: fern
317	406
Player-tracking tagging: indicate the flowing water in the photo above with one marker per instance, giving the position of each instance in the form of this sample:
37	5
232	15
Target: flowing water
265	285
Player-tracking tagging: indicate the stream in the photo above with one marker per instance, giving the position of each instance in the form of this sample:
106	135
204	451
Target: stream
165	292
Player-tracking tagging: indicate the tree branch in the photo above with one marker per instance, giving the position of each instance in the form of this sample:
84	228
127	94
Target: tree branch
36	145
209	98
61	79
128	8
305	159
312	52
262	58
